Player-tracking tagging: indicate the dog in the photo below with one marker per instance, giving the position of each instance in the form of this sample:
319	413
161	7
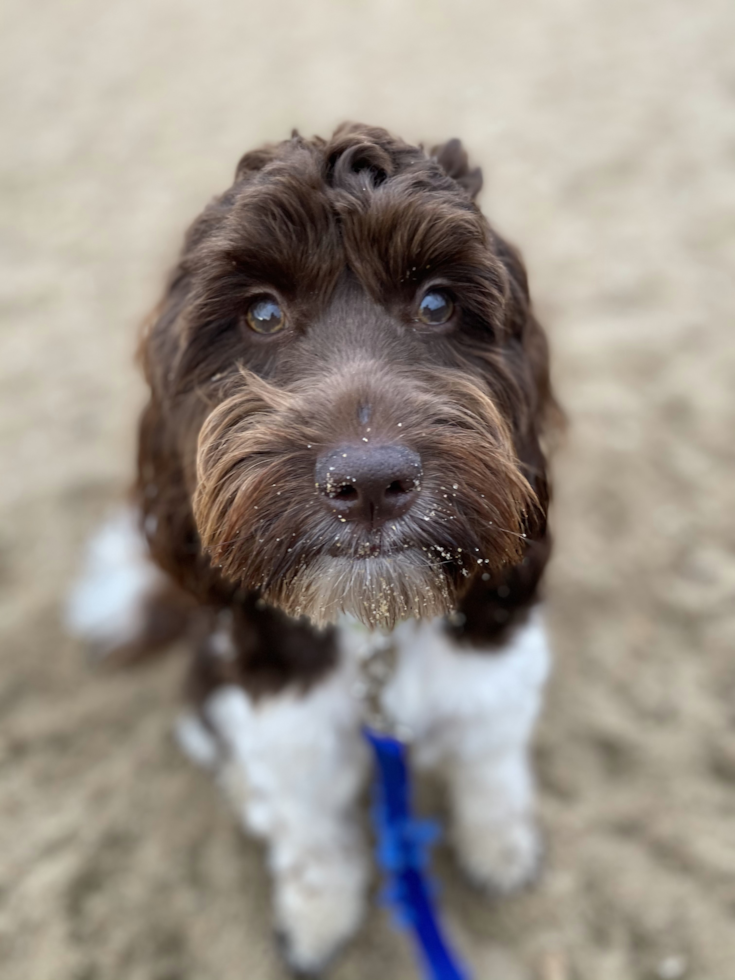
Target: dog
345	437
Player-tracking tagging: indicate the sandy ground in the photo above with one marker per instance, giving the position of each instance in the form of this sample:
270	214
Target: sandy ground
607	136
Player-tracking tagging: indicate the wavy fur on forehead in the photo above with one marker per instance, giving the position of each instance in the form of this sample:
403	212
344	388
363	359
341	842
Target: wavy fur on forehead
229	439
302	210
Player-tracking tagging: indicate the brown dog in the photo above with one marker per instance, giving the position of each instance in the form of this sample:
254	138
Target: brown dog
348	396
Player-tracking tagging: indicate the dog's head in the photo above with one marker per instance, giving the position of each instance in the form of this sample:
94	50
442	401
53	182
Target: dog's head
348	368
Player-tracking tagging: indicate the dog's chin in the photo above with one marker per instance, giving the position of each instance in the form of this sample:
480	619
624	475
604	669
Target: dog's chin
379	591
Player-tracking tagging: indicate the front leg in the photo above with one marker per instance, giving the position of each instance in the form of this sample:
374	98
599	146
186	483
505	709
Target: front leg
473	711
494	829
292	762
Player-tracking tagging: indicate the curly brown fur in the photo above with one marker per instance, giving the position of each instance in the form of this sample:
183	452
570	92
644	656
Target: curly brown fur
347	233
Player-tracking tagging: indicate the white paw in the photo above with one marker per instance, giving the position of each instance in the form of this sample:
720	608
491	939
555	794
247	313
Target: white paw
319	902
499	856
196	741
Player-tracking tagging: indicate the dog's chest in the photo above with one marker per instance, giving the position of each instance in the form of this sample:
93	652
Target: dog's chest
432	686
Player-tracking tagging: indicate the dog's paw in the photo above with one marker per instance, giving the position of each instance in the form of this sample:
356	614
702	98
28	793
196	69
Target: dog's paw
319	903
196	742
499	857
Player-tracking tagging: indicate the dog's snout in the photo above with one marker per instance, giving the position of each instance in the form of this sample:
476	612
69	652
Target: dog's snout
371	484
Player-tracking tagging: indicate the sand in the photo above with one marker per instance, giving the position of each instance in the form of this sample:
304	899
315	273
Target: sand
607	137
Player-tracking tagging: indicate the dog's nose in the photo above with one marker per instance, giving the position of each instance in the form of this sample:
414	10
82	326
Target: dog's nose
370	484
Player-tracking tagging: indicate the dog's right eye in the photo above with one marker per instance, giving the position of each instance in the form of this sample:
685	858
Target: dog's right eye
436	308
265	315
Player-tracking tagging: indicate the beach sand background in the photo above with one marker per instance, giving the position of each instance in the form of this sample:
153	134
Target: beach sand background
606	133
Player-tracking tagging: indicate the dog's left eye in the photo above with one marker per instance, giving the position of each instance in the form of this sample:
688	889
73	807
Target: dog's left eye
265	315
435	308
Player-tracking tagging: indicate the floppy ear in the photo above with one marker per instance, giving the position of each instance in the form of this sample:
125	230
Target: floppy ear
452	158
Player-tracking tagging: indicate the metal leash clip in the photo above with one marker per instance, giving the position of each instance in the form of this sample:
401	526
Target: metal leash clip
377	662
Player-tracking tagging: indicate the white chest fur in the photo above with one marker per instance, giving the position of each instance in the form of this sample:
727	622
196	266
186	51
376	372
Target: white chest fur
438	690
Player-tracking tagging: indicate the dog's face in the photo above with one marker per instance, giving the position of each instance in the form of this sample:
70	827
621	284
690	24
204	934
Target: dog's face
349	357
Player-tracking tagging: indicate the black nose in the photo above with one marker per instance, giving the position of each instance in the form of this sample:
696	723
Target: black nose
370	484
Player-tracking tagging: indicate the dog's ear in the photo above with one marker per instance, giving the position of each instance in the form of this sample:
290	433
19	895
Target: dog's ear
255	160
452	158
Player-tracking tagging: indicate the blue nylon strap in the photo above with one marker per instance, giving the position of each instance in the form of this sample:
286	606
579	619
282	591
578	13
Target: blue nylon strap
402	854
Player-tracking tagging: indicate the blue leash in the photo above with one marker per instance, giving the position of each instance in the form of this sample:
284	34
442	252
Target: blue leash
402	854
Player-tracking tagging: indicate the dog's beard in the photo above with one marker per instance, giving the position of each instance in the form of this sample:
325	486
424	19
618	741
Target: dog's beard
265	526
378	591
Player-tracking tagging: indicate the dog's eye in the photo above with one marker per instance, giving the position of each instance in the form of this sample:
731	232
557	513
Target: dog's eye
435	308
265	315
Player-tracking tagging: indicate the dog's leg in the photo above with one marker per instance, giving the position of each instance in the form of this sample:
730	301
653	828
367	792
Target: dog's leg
473	713
123	605
293	763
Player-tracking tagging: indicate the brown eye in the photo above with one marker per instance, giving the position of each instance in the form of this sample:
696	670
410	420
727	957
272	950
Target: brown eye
435	308
265	315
